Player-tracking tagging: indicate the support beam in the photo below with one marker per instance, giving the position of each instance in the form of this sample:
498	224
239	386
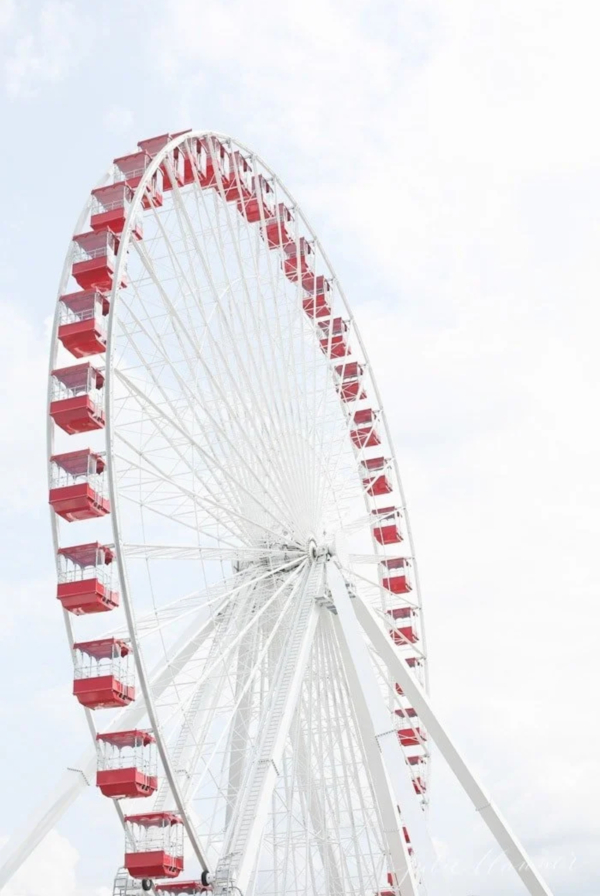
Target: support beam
401	673
389	772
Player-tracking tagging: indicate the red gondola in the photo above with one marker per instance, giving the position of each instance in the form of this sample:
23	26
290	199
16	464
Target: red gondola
77	403
157	850
77	490
126	764
103	673
86	579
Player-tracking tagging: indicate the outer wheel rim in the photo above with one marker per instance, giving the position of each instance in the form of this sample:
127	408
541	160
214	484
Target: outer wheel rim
112	485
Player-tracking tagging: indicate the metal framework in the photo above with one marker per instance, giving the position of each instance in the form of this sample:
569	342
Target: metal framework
231	461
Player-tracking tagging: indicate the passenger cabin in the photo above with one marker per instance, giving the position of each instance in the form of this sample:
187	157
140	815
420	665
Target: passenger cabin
411	737
375	486
110	208
77	398
401	612
350	381
86	580
380	484
318	303
259	204
82	322
403	635
236	182
154	845
127	766
365	437
296	264
277	229
132	168
214	162
192	157
103	673
364	416
408	713
336	347
394	575
312	282
77	490
95	258
420	786
333	337
173	168
386	530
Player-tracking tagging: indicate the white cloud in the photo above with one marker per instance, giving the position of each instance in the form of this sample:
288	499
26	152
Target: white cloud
51	870
46	52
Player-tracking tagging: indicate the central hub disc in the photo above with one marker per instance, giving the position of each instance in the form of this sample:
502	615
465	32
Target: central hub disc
311	549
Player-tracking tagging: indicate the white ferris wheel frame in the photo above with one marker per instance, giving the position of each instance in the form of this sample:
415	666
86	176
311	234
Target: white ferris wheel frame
356	625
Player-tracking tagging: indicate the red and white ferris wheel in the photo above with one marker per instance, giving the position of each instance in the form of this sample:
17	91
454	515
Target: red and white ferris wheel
234	558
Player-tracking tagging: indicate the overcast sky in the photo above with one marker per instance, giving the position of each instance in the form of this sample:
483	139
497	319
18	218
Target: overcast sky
448	154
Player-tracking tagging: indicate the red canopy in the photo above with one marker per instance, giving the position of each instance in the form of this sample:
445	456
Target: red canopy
349	371
77	462
154	819
364	416
385	511
375	463
76	376
395	563
87	554
80	302
95	239
155	144
135	161
119	192
104	649
127	738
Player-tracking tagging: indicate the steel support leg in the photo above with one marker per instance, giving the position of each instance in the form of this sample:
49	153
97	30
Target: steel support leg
401	673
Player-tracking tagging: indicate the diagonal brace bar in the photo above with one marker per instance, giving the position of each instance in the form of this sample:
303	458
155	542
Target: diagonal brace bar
401	673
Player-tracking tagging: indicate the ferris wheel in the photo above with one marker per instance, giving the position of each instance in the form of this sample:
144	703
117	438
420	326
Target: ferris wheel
234	557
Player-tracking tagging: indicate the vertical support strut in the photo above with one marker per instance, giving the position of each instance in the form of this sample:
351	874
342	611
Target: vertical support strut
243	840
401	673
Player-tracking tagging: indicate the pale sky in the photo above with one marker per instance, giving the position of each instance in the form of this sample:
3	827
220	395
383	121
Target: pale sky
448	155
